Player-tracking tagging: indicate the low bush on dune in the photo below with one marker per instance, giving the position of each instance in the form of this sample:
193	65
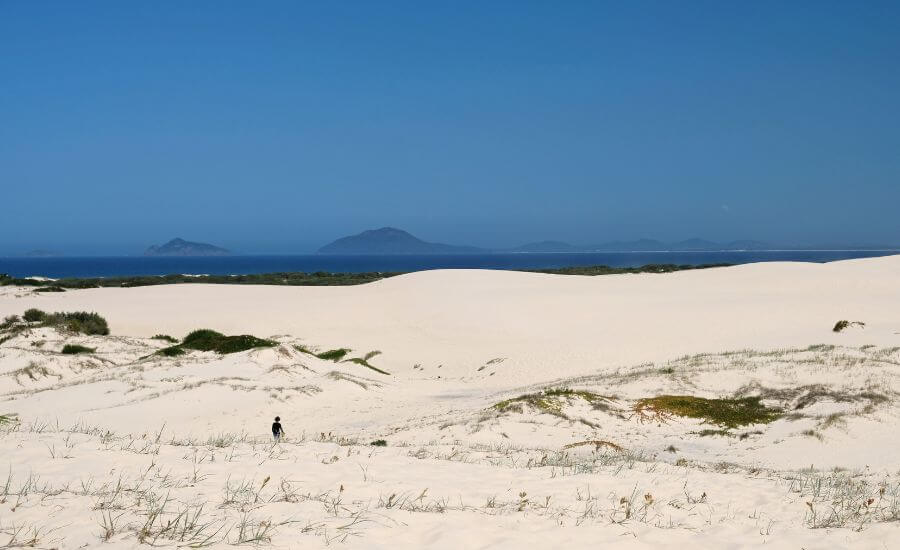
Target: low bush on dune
337	355
165	337
843	323
728	413
210	340
9	322
53	288
75	321
551	401
33	315
365	363
171	351
333	354
73	349
379	443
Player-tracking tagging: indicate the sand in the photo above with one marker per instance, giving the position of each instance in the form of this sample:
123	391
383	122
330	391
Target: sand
118	447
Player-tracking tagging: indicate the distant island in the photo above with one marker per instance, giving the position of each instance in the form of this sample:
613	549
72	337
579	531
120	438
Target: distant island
390	240
181	247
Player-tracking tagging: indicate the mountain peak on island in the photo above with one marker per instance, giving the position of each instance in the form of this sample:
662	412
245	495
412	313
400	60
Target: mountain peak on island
181	247
390	240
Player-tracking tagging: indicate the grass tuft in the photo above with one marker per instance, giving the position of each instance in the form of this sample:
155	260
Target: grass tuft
729	413
550	401
75	321
74	349
165	337
365	362
171	351
379	443
333	354
843	324
210	340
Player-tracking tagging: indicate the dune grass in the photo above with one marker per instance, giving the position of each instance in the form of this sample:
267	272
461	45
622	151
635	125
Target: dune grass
550	401
728	413
337	356
164	337
74	349
843	324
364	363
74	321
333	354
210	340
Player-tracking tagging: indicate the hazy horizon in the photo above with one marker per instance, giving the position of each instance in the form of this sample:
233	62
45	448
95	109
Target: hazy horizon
138	249
277	129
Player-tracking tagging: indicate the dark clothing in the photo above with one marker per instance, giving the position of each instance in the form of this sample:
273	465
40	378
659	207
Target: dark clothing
276	429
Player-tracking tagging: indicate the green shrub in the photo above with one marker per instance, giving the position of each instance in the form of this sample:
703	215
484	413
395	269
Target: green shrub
72	349
171	351
52	288
9	322
243	342
379	443
75	321
334	354
81	321
33	315
365	363
202	339
728	413
551	401
165	337
843	323
210	340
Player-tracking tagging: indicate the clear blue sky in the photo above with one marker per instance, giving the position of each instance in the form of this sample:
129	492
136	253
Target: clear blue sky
274	127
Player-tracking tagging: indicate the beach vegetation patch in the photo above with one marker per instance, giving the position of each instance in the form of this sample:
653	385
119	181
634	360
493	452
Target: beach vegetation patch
74	321
171	351
379	443
551	401
164	337
337	355
74	349
210	340
844	324
33	315
728	413
364	361
597	444
333	354
52	288
9	322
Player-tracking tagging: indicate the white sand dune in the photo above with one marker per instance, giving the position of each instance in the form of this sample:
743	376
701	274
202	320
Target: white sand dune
459	471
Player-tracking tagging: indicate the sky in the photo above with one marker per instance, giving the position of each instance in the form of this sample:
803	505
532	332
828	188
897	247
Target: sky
276	127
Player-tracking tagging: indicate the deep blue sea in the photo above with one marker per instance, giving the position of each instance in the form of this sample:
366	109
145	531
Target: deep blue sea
223	265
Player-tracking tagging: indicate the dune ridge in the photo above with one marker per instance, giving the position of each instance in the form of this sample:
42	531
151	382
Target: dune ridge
516	409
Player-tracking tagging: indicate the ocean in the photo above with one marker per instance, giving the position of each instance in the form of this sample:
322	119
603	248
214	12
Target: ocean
225	265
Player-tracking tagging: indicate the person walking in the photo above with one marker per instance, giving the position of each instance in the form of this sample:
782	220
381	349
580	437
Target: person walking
277	430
